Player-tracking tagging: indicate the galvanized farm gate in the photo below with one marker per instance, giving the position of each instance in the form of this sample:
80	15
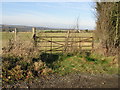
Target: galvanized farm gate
62	41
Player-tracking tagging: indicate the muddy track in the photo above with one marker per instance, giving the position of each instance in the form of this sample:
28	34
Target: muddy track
71	81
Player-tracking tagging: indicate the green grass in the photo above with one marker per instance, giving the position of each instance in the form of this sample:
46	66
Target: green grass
6	36
93	64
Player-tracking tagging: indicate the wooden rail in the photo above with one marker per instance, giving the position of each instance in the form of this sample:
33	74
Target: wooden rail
68	41
61	37
66	32
65	44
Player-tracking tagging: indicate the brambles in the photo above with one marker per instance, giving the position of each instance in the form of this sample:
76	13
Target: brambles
18	63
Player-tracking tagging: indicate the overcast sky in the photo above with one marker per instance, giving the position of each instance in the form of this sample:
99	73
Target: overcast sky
50	14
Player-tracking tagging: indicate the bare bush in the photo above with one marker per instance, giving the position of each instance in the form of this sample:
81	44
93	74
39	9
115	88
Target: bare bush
21	49
21	61
107	26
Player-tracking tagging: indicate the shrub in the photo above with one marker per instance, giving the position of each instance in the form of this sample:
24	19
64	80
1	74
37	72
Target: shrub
18	63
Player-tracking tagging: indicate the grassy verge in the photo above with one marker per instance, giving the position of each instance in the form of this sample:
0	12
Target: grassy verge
93	64
25	68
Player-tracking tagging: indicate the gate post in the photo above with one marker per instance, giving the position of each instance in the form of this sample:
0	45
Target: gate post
92	43
34	36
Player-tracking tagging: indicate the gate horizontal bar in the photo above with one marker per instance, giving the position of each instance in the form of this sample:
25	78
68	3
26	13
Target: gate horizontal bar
66	50
61	37
66	41
67	46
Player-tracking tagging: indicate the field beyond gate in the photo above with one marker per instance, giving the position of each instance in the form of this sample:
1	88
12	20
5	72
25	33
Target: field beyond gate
64	41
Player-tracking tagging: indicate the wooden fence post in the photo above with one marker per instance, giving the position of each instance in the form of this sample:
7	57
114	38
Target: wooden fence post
33	31
34	36
15	34
92	42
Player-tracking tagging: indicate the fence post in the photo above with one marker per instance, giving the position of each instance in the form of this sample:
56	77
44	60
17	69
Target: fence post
33	31
15	34
92	42
34	36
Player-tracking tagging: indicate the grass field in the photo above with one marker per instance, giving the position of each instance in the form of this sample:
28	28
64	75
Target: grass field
9	35
6	36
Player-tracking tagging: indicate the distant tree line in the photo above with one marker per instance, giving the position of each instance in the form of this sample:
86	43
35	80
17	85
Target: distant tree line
66	30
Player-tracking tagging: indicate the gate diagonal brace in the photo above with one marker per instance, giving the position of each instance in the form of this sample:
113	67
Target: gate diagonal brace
55	48
53	41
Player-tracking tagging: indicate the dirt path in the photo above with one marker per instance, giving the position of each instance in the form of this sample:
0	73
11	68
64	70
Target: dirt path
72	81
